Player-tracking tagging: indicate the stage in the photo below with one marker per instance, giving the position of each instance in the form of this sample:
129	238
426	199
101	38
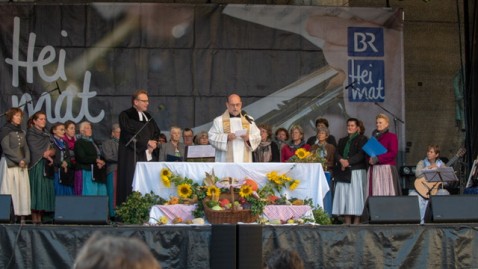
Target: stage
336	246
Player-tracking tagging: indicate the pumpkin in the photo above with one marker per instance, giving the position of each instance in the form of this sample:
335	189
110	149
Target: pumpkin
251	183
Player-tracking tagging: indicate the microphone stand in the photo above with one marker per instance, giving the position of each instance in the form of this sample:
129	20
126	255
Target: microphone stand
133	139
395	119
28	102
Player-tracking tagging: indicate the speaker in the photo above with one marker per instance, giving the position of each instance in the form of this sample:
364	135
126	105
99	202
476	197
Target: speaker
81	210
393	209
223	248
6	209
452	208
249	246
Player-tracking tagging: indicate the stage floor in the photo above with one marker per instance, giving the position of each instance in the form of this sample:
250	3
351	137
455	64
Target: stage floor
336	246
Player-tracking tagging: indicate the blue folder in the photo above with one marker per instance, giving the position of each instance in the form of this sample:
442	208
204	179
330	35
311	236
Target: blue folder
373	147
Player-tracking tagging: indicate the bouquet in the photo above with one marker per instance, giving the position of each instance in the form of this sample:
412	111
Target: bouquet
302	155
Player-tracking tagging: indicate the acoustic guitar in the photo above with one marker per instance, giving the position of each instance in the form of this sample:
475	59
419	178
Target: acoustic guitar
425	188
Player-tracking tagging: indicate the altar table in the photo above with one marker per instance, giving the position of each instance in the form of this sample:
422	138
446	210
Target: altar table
313	183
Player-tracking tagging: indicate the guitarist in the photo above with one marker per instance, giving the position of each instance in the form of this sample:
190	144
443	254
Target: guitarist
432	161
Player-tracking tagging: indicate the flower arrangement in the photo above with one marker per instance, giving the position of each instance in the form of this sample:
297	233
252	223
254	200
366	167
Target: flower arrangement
216	196
187	190
191	192
302	155
279	182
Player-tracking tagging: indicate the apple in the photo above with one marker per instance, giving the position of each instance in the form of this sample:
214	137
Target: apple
223	202
217	208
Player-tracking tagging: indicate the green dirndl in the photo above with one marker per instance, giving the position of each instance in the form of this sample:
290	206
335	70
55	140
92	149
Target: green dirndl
41	188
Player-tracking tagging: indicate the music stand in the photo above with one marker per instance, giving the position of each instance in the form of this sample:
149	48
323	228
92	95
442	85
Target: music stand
440	175
200	153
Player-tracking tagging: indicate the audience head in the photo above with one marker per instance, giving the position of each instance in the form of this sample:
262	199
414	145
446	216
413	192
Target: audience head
321	122
162	139
188	135
266	131
175	134
352	126
382	121
282	134
202	138
296	132
70	128
58	129
85	129
435	148
10	114
38	120
283	259
361	127
234	104
115	131
322	133
109	252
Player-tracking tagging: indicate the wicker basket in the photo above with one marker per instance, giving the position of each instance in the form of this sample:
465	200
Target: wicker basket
228	215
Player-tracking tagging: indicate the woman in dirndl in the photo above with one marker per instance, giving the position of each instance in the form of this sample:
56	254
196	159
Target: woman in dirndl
89	160
14	178
382	175
349	170
41	167
64	172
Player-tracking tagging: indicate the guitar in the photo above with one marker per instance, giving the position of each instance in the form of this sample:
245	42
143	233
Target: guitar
425	188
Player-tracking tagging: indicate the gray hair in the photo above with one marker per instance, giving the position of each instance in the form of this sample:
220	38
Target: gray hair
298	127
323	129
82	124
115	126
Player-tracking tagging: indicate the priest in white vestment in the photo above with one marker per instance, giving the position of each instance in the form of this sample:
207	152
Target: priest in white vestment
234	135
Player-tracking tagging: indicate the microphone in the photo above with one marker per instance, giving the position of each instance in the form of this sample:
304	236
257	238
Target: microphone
248	118
58	87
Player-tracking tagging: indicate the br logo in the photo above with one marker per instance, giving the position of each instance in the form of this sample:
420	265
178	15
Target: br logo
365	41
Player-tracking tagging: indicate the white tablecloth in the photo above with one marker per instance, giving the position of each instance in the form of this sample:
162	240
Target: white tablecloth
313	183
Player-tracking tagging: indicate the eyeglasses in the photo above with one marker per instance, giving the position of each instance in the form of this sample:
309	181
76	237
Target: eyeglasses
144	101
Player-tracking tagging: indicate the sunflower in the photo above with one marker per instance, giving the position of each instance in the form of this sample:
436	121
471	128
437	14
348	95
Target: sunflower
277	180
294	184
166	181
302	153
272	176
165	172
185	190
213	191
245	190
285	178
